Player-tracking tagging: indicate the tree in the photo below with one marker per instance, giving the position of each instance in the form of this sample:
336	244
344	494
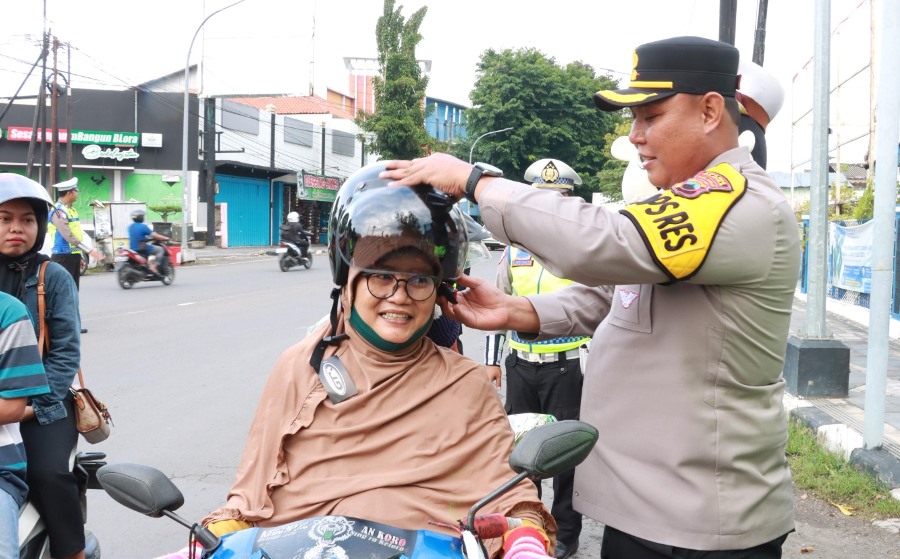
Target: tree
396	130
550	108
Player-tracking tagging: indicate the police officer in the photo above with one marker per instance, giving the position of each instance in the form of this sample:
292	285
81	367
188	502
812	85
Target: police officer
542	377
690	314
65	232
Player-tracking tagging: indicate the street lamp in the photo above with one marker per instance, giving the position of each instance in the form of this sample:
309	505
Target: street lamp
486	134
185	187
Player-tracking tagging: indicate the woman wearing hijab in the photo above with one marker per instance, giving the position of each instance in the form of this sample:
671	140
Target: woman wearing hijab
48	426
411	432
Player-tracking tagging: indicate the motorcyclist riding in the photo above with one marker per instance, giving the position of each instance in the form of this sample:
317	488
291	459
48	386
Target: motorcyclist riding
139	235
293	232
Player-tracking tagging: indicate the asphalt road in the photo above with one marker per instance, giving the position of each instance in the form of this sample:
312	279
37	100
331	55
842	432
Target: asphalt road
181	368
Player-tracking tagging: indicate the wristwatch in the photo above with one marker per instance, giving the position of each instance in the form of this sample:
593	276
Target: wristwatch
481	169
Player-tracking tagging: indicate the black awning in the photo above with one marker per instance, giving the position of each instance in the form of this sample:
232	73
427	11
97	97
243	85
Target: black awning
239	169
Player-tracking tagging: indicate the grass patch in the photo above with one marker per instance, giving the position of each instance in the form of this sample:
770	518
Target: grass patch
826	475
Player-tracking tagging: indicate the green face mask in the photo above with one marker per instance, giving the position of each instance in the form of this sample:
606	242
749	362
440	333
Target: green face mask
373	338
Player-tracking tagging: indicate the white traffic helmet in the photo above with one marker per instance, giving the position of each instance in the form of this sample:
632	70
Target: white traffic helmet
293	217
552	173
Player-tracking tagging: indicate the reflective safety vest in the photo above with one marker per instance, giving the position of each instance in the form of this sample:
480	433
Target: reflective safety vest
528	277
60	244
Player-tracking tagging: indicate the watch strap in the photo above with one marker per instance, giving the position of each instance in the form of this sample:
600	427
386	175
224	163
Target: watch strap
474	177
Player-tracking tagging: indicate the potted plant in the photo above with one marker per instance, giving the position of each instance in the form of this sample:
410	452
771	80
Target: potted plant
164	208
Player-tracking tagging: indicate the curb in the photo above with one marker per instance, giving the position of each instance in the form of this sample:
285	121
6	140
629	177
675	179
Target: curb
838	437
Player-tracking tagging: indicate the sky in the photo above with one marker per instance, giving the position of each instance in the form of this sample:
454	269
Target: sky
266	46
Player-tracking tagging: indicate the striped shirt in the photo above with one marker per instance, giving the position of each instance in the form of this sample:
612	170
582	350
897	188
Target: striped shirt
21	376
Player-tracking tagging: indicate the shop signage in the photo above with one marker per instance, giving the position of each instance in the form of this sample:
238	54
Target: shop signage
151	140
94	151
317	187
99	137
104	138
23	134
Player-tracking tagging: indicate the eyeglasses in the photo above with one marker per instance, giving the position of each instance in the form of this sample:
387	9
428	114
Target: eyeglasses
383	285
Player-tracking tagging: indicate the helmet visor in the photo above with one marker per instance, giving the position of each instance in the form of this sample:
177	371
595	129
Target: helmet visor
384	221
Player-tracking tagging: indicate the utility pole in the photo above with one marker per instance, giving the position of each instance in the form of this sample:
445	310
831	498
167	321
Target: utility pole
54	118
727	20
759	39
69	173
323	148
38	112
209	165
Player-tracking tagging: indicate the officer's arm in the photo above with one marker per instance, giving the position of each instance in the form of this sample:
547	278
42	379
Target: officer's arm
61	221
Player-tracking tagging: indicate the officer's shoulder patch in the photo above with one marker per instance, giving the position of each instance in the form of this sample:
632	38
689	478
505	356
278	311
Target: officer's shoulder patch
678	225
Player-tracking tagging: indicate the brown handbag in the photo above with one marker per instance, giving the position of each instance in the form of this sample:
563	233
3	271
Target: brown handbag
92	418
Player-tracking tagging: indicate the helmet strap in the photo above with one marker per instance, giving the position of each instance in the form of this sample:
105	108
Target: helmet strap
369	334
316	360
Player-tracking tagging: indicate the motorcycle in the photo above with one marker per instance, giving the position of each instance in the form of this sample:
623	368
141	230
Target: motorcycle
291	257
541	453
33	539
132	267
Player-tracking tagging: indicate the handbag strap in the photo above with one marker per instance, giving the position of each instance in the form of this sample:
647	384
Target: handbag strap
80	378
44	341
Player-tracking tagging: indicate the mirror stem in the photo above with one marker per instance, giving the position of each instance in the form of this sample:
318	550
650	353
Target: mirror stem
493	495
205	538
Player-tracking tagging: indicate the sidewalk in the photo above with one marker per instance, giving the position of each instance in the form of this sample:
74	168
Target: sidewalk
839	421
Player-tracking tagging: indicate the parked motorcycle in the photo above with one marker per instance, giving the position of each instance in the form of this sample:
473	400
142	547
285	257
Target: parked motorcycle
541	453
132	267
33	539
291	257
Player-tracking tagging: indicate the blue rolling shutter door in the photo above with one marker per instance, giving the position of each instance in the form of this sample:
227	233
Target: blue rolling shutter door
248	209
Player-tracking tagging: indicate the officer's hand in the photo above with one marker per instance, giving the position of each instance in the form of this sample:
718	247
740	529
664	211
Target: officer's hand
95	254
440	170
481	305
494	375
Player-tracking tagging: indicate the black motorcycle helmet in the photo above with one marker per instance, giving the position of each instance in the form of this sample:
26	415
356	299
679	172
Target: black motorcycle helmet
387	218
13	186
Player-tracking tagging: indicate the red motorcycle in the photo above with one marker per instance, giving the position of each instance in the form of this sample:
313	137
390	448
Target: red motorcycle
133	267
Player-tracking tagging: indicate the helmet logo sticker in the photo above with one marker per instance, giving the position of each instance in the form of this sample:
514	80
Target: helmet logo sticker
336	380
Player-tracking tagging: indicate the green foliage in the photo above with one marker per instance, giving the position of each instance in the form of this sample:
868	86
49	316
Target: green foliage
552	112
865	207
826	475
397	127
838	209
165	207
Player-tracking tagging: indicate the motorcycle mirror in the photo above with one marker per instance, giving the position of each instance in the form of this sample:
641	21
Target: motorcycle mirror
148	491
552	449
544	452
140	488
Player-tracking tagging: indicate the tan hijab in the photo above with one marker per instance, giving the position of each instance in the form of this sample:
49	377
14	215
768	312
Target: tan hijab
424	439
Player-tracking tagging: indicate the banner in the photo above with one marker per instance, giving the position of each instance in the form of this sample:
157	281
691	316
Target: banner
850	261
317	187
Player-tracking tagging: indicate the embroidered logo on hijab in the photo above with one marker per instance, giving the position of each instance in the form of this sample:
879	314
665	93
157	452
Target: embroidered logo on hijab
336	380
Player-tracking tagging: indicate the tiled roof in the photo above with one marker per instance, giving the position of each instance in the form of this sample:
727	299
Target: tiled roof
298	105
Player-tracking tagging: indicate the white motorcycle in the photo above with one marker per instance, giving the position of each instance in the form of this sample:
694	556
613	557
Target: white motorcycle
33	539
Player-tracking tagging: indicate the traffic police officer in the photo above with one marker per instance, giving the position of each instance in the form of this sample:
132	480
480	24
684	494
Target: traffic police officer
65	231
542	377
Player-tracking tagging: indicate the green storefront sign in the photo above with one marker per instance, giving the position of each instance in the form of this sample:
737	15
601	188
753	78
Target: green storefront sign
320	188
104	137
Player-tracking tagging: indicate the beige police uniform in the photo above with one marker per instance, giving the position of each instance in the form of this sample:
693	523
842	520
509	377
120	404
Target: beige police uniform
684	377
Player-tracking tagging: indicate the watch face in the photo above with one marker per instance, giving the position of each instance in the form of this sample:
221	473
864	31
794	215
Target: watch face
489	169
